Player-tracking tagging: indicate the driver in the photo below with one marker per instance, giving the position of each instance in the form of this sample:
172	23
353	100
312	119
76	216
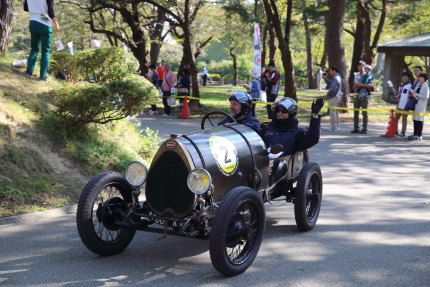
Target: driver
284	128
241	110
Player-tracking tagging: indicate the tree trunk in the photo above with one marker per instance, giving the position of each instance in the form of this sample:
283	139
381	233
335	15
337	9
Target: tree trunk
189	55
378	31
334	42
155	37
272	45
264	49
284	43
358	50
6	18
309	64
234	57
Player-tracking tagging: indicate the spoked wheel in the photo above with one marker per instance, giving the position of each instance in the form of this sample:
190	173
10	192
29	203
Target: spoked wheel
214	117
101	201
237	231
308	196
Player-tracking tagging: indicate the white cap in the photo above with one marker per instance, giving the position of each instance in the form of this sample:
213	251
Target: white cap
368	67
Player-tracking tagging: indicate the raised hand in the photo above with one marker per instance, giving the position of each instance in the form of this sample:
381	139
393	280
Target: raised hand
317	106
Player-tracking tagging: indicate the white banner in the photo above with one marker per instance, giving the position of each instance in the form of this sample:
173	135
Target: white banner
70	45
59	45
256	67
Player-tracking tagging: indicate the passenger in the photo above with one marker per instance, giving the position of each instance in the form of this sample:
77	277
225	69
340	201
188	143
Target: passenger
241	110
284	129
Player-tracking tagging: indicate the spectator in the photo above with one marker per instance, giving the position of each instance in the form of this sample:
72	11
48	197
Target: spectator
422	95
160	72
318	78
42	16
153	77
403	95
417	72
362	86
204	73
255	90
184	85
166	87
334	95
271	80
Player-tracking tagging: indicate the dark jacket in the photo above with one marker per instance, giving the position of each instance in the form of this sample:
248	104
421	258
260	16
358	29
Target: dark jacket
249	121
293	139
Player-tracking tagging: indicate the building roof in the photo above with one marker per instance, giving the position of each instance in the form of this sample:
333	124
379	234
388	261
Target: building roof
411	45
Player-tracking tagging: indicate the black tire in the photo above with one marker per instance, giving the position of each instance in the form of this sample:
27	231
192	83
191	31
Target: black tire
308	196
237	231
97	236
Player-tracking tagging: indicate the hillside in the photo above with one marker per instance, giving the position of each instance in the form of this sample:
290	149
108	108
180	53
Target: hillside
39	167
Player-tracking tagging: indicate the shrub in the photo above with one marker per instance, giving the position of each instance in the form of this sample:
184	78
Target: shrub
105	64
93	103
63	61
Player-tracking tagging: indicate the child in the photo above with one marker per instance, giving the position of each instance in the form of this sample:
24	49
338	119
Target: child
403	95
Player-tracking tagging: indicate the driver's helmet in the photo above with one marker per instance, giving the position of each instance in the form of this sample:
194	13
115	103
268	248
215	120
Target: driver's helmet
287	104
244	99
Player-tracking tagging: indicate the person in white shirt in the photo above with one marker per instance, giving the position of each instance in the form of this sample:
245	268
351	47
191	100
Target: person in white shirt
403	95
42	17
204	73
421	93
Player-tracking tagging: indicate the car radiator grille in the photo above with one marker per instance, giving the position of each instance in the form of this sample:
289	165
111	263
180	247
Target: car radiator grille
166	191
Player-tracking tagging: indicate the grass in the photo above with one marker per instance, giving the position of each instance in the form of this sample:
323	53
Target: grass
28	180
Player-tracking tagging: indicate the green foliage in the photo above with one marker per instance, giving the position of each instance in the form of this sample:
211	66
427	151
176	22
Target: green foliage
105	147
105	64
84	102
63	61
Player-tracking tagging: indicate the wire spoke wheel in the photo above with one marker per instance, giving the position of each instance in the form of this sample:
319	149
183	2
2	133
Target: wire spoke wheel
308	196
237	231
241	233
100	204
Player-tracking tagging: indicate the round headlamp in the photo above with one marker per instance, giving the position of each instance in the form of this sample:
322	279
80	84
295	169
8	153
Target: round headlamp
199	181
136	173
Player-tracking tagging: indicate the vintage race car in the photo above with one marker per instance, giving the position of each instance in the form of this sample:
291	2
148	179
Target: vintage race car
208	184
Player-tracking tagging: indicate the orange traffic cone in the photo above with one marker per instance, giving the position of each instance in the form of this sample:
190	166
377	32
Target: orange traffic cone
185	111
391	132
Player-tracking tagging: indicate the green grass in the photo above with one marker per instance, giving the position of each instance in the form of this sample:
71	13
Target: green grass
27	181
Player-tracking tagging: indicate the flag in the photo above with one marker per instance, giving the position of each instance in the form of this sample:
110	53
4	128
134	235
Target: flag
59	45
70	45
256	67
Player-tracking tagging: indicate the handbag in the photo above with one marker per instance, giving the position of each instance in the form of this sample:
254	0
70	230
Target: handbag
171	101
410	105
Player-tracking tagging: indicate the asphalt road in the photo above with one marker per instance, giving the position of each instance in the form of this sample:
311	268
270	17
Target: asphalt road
373	230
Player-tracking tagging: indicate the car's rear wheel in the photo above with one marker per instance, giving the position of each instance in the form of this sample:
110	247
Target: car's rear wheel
308	196
237	231
101	200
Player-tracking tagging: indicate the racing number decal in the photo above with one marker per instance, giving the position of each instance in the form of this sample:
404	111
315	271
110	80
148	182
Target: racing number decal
225	154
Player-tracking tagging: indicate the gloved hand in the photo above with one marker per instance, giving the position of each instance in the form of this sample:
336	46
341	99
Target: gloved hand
317	106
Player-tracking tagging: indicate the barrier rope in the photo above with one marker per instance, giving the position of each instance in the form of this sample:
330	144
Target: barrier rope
333	107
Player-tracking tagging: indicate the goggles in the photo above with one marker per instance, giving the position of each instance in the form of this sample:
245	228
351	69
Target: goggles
281	110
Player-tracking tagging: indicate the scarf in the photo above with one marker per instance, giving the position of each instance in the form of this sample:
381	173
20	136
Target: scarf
284	125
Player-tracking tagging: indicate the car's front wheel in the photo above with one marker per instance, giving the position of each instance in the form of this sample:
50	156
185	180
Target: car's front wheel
308	196
237	231
102	199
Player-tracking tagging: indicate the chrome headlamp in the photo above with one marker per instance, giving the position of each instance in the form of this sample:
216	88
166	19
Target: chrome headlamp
199	181
136	173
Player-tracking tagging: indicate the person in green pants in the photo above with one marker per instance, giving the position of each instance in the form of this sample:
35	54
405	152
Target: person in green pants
42	17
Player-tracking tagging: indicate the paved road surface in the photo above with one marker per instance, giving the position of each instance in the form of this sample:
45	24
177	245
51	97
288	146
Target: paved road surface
374	230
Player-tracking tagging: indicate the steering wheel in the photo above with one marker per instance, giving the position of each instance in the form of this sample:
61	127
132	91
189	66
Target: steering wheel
208	117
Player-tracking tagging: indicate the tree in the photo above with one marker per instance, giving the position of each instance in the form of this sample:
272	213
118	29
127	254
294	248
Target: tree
309	61
274	17
6	18
334	42
364	47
